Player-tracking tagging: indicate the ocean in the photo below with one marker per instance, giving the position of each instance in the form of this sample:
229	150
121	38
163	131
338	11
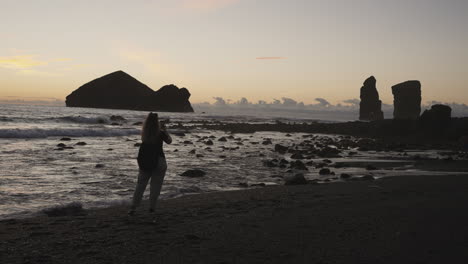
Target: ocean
97	166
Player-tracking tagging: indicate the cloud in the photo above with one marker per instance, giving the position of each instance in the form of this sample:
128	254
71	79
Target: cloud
271	58
352	101
21	62
219	101
322	102
206	5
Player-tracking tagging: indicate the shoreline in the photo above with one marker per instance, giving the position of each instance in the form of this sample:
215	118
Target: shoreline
417	219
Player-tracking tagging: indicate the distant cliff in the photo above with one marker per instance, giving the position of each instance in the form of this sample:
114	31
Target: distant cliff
119	90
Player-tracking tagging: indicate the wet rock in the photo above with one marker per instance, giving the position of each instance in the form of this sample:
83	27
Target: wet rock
99	166
243	184
222	139
187	142
61	145
137	145
267	142
199	156
370	106
179	134
192	151
138	123
407	100
281	149
345	176
367	178
327	161
258	184
115	124
297	156
117	118
65	139
283	161
209	142
371	167
325	171
195	173
297	179
298	165
81	143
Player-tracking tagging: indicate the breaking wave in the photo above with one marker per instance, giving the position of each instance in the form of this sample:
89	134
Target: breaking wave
45	133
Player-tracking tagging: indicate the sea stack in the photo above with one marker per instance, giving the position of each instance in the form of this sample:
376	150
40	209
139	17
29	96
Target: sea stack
436	119
370	106
119	90
407	100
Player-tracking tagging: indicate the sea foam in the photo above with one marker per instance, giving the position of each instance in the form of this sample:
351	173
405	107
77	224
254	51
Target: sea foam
45	133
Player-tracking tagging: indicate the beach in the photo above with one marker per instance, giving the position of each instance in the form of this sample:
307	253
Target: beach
393	220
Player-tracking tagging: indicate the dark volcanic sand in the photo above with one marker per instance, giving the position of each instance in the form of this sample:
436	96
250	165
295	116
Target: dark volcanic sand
394	220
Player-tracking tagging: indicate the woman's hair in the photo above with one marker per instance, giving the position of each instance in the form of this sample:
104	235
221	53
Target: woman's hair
151	130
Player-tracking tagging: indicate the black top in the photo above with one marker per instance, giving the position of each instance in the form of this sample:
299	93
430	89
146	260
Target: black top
149	153
163	136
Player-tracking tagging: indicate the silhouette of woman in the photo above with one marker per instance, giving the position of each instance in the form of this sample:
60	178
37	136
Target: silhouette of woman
151	161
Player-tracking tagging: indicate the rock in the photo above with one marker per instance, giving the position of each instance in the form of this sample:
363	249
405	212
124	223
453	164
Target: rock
187	142
192	151
99	166
117	118
370	106
437	119
222	139
196	173
81	143
118	90
281	149
179	134
138	123
243	184
345	176
115	124
298	165
65	139
258	185
297	179
367	178
61	145
407	100
297	156
209	142
371	167
325	171
267	142
199	156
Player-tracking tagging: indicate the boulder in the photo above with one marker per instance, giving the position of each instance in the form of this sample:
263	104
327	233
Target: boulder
370	106
281	149
196	173
407	100
437	118
296	179
118	90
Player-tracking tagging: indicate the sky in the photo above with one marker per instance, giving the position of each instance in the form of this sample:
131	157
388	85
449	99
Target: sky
258	49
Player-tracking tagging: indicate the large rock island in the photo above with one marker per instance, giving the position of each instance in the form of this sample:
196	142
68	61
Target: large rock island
119	90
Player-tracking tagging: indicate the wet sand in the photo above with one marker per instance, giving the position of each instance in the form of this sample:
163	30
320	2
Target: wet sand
393	220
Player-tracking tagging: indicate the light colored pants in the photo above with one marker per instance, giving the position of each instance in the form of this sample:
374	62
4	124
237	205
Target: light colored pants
157	178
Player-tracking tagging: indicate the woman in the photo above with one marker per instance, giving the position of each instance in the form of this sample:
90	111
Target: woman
151	161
